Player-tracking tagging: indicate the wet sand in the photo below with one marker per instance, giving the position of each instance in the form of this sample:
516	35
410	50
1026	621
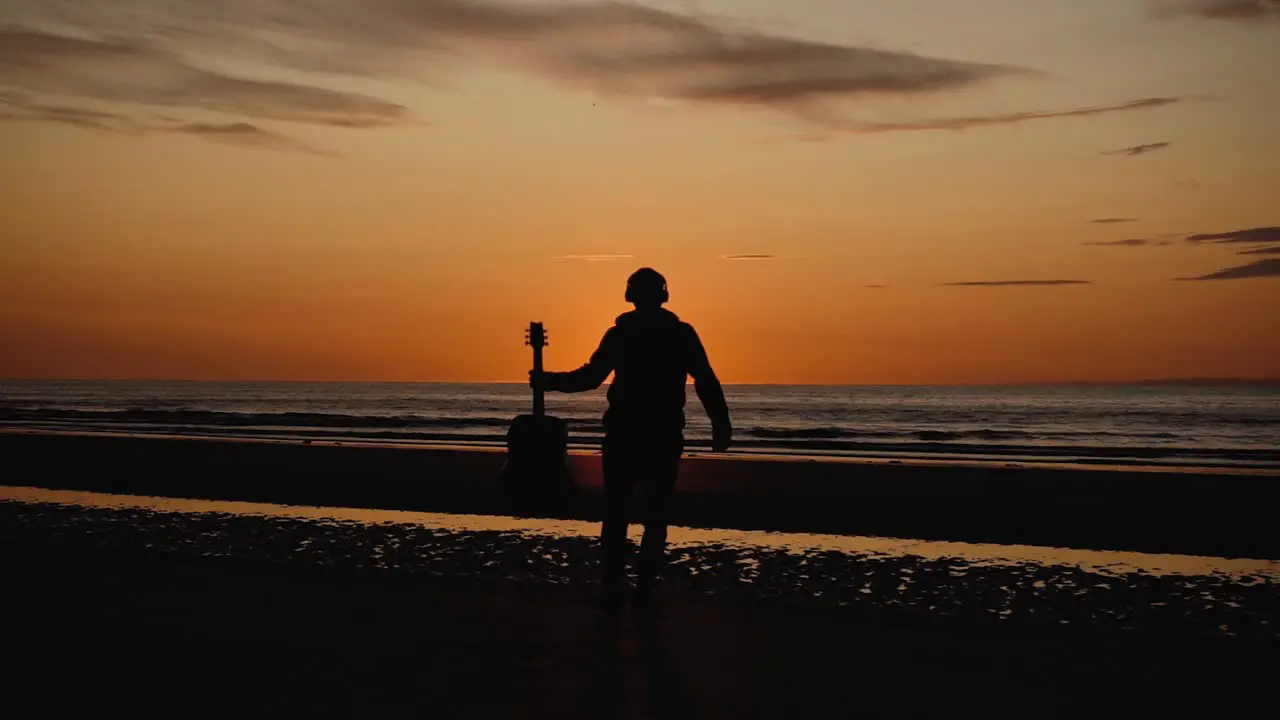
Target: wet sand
976	584
151	610
1220	514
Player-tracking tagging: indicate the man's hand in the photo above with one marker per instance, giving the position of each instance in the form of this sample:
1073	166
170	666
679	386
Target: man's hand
720	435
539	380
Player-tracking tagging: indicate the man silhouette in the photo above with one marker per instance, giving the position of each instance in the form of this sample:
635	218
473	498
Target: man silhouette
650	352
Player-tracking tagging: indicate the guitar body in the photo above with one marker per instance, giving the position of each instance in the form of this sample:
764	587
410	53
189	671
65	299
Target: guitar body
536	476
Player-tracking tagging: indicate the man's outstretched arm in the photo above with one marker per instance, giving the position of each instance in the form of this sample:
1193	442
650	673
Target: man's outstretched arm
707	385
589	376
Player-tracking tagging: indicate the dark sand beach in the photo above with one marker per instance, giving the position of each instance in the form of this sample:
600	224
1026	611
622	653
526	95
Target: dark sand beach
198	608
193	638
209	613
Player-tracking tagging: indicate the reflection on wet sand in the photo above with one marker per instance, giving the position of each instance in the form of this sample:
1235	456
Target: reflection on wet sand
937	579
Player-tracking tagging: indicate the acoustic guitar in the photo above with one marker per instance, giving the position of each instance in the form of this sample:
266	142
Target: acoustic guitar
536	476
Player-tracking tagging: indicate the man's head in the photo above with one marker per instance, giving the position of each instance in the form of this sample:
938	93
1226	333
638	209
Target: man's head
646	288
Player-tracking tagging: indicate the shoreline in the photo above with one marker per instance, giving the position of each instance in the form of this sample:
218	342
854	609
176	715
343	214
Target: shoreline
1109	562
761	453
1213	513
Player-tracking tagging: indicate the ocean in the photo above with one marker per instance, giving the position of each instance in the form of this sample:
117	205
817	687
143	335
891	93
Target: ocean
1195	426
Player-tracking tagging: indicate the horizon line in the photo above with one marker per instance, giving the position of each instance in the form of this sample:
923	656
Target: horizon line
1006	383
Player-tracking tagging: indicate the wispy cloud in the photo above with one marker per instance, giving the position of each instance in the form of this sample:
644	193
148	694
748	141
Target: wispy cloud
134	50
1267	267
1237	10
1274	250
748	257
21	108
875	287
87	119
593	258
965	123
246	135
1250	236
1138	149
1164	240
1016	283
1112	220
144	73
1130	242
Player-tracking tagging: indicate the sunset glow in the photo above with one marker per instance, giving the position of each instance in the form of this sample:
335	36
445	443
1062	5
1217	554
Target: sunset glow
878	192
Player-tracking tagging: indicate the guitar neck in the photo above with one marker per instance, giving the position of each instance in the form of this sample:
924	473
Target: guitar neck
539	401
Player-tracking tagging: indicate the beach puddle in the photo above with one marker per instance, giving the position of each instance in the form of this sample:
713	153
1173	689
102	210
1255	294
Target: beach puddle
999	583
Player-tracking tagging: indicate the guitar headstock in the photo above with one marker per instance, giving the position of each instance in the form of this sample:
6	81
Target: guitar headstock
535	336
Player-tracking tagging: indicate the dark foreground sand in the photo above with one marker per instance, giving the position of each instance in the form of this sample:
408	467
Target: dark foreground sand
147	637
181	615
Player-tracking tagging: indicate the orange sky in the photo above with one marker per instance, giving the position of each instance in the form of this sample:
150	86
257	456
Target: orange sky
189	197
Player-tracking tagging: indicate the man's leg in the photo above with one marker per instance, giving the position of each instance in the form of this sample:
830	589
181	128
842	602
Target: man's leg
619	485
657	488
